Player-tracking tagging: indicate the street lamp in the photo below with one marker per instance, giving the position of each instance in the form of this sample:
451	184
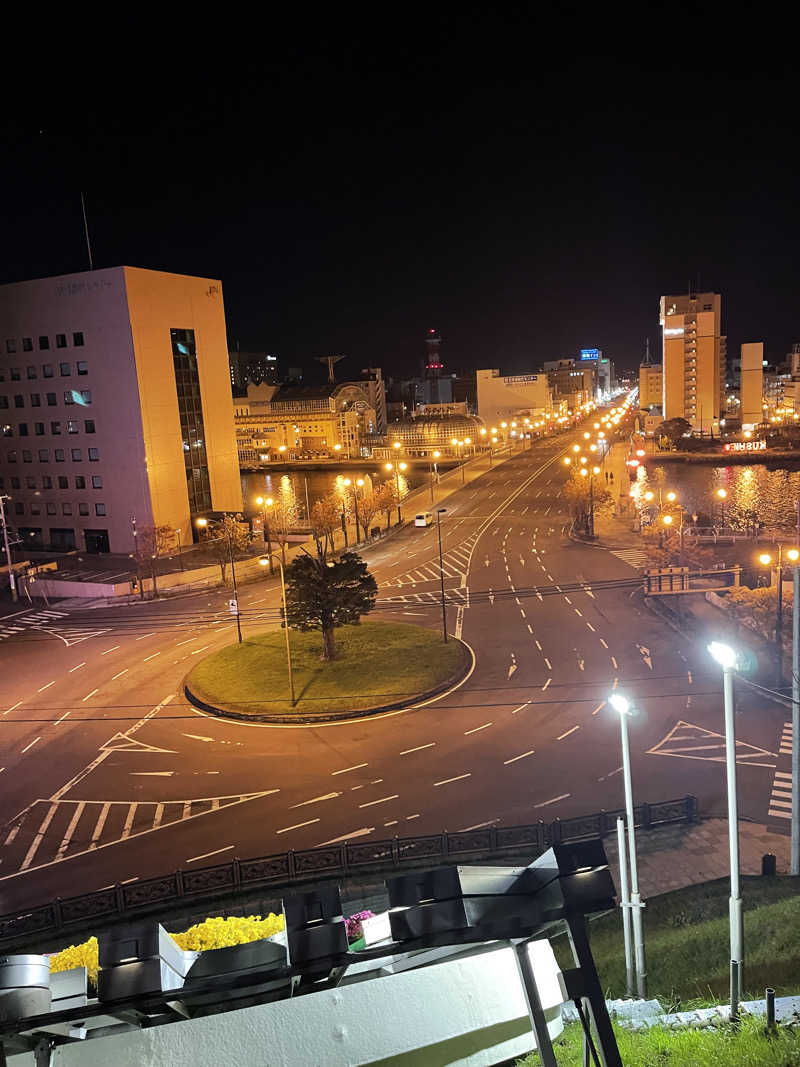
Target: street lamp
726	658
766	559
203	524
359	483
180	548
622	706
263	563
433	466
439	513
397	468
265	502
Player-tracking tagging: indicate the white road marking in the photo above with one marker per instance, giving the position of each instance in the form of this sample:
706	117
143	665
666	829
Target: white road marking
120	674
195	652
315	800
553	800
98	826
549	680
38	838
383	800
549	664
477	728
567	733
590	627
206	855
514	712
145	635
538	646
114	649
615	664
602	642
83	701
515	758
408	751
30	745
66	713
296	826
47	686
77	667
353	833
344	770
62	848
154	654
458	778
599	708
13	707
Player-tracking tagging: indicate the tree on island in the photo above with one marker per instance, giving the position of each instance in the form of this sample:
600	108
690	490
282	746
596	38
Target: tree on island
673	430
323	594
326	519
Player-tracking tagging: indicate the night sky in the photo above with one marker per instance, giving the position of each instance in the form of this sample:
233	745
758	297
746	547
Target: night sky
353	186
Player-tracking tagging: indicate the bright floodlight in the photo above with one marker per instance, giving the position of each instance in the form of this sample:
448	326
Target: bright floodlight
793	555
765	558
619	703
723	654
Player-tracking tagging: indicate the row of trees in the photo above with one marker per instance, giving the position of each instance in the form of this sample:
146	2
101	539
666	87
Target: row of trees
361	506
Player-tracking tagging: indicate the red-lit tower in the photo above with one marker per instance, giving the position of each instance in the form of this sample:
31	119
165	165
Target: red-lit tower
433	364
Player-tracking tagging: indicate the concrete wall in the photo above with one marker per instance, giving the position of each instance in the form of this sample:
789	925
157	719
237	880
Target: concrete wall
470	1012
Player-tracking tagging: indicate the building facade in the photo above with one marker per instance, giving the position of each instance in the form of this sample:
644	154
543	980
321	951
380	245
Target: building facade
115	406
751	389
500	398
693	359
651	386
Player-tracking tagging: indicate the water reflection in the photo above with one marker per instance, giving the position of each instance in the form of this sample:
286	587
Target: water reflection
769	495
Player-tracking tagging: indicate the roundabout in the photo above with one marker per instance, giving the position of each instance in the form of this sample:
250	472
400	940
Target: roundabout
379	666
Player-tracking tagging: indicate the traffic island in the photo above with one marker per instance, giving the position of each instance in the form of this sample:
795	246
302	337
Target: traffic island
379	666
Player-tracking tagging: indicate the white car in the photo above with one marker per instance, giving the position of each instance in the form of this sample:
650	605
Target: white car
423	519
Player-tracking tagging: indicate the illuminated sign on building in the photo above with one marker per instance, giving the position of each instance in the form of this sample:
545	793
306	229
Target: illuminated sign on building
746	446
673	331
590	353
520	379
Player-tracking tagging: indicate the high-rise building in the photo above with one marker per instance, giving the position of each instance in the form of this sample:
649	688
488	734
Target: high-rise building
116	407
651	382
751	392
693	359
433	368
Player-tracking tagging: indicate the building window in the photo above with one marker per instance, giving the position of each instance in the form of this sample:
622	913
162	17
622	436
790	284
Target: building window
80	481
83	367
50	509
39	429
190	410
15	374
44	342
99	509
97	481
68	397
19	401
52	400
86	396
66	509
76	455
94	455
59	454
64	370
36	509
77	339
19	509
12	456
36	400
11	346
22	429
47	481
55	428
44	455
63	481
88	425
47	370
3	401
83	509
32	375
27	455
61	340
72	426
27	344
15	483
30	482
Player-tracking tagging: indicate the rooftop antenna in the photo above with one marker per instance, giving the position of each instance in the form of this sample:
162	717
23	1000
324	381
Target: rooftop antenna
647	349
86	231
331	361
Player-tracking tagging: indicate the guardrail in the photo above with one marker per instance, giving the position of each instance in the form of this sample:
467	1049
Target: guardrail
289	868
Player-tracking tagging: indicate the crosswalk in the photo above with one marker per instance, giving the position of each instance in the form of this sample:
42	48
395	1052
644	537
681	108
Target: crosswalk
454	596
780	800
54	830
13	625
634	557
455	564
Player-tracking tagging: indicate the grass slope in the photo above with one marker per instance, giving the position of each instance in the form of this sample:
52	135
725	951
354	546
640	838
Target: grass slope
377	663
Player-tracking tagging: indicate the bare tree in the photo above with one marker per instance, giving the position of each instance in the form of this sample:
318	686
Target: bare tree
150	544
326	515
226	539
283	517
386	495
369	504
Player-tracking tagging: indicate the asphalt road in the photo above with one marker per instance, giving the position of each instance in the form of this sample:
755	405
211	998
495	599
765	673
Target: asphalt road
108	775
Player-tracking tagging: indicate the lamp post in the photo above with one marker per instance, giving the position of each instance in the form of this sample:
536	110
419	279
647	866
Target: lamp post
623	707
397	467
203	524
264	503
726	658
359	482
433	466
180	548
766	559
263	563
458	446
439	513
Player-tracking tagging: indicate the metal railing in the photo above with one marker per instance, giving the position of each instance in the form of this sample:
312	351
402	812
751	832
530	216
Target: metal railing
286	869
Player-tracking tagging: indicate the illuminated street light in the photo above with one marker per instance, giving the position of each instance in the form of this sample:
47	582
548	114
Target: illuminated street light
264	503
576	448
622	706
672	496
725	656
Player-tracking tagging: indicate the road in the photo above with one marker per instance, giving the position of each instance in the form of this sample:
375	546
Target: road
109	775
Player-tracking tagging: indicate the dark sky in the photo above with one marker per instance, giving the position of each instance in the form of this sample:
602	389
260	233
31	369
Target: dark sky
354	185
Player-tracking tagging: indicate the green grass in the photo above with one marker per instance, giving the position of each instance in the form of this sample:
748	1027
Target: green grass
686	940
688	1048
377	663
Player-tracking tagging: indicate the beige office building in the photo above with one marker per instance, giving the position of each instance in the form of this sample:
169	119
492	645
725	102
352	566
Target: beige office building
520	394
751	393
693	360
651	386
115	407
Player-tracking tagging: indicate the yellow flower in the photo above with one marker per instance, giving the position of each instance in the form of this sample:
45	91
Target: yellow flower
84	955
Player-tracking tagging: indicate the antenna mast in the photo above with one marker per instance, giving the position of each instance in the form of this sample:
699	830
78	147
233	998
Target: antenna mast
86	232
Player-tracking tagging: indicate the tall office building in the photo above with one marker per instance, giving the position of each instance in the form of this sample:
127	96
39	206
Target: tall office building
115	407
693	359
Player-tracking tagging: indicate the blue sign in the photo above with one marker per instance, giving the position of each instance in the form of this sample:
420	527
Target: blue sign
590	353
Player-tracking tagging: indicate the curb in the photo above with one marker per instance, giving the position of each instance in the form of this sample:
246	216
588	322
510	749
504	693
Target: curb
339	716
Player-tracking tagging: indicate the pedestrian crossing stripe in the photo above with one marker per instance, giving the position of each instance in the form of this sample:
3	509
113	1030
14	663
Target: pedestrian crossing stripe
690	741
634	557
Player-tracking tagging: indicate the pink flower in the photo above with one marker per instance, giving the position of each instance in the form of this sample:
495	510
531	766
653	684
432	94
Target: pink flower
353	924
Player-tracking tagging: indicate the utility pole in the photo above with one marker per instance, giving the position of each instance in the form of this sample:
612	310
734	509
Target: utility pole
12	578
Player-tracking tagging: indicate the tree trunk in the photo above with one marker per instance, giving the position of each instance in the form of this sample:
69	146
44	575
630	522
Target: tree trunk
328	644
222	567
154	577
